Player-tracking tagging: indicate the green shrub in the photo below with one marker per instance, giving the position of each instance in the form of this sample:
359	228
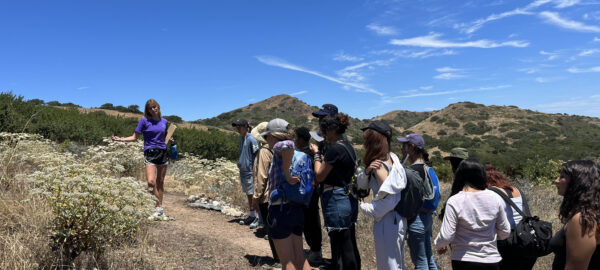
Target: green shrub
451	123
441	132
541	171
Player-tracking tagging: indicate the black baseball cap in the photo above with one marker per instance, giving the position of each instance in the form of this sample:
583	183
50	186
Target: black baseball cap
240	122
381	127
326	109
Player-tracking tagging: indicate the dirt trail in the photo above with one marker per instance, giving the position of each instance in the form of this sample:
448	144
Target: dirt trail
203	239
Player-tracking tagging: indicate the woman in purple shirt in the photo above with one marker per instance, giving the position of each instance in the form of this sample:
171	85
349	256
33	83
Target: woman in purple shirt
154	129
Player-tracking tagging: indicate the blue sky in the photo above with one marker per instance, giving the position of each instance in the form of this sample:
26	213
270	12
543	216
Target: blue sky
202	58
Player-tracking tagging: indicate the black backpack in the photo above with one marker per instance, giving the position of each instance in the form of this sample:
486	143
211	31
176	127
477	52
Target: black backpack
531	237
411	199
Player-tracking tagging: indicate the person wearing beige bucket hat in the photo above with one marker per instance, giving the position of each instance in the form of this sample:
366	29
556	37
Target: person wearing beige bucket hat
262	163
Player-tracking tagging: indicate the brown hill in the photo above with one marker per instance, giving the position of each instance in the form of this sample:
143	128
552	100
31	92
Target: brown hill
281	106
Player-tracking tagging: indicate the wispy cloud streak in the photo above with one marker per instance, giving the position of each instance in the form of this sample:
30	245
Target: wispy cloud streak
276	62
83	87
432	41
449	92
382	30
584	70
298	93
555	19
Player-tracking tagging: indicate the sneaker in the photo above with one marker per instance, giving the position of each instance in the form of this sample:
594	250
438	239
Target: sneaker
254	224
158	214
314	258
247	221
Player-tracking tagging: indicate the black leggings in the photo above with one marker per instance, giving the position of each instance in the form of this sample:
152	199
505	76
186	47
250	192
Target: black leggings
264	211
462	265
312	224
344	251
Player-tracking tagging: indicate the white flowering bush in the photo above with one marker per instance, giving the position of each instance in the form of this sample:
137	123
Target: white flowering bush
193	174
94	203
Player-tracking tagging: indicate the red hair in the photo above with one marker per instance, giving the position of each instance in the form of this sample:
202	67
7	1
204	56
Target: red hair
497	179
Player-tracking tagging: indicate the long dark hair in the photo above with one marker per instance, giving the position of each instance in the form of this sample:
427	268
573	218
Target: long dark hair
376	145
581	196
421	152
470	172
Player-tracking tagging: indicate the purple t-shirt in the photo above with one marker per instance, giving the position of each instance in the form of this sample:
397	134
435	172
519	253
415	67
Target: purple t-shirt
154	132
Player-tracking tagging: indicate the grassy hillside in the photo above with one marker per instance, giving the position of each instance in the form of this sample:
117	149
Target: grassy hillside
72	125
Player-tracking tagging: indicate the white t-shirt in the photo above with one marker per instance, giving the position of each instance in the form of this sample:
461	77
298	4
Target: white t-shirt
471	223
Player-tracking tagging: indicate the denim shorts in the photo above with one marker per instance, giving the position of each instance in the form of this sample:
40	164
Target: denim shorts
285	219
247	183
339	209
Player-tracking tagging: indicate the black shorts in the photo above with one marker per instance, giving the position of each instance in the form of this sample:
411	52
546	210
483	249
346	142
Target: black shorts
157	157
284	220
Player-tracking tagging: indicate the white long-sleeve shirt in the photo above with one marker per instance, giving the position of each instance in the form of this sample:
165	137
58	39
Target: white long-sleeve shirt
471	223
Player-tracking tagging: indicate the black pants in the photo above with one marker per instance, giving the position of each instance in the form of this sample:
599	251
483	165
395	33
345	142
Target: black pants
462	265
264	211
312	224
344	251
512	260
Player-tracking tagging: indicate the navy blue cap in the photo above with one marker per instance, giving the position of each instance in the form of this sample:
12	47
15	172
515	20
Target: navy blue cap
326	109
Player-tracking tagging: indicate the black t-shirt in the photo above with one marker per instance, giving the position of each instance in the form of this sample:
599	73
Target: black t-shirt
337	156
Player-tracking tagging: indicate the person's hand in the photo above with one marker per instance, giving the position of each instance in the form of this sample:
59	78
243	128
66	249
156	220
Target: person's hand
116	138
376	164
172	140
314	148
442	250
292	179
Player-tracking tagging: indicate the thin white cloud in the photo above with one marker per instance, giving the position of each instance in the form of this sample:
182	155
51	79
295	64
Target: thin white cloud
276	62
551	55
584	70
577	105
555	19
427	87
529	70
82	87
448	76
447	69
416	54
588	52
298	93
449	92
566	3
449	73
343	57
471	27
432	41
596	39
382	30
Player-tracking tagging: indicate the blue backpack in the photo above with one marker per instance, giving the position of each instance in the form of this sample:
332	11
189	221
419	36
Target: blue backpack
299	193
432	204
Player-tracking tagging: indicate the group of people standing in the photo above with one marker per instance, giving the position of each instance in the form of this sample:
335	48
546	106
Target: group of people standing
475	218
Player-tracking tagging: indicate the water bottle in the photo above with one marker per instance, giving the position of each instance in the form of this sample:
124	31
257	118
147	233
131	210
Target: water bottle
174	153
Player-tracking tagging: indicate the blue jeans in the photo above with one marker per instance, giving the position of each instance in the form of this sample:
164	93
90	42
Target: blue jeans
339	210
419	242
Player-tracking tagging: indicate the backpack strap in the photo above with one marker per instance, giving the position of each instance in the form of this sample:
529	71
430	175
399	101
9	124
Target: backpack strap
525	204
508	200
509	192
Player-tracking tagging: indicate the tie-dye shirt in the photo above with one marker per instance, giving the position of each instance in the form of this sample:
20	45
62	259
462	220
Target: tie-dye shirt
276	175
